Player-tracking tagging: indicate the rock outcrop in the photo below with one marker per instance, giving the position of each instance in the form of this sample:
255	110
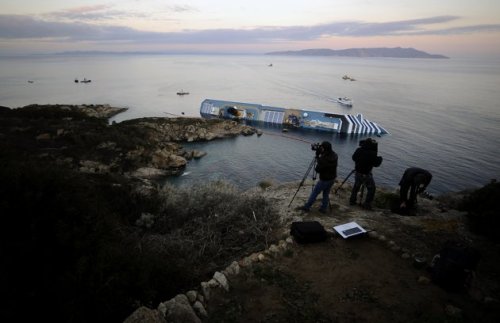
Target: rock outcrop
80	137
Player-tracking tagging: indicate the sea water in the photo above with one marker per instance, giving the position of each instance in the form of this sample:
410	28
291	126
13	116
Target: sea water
442	114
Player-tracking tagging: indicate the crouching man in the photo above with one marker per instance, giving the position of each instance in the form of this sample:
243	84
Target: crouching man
414	181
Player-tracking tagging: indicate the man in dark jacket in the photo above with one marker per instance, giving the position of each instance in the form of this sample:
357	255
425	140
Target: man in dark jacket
365	158
326	167
416	181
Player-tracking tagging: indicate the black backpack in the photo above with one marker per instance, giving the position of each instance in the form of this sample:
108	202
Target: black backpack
308	232
452	268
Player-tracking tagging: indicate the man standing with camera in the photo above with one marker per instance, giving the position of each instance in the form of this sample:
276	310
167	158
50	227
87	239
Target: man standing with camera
326	167
365	158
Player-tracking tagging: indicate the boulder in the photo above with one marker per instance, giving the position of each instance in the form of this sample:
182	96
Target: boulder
148	172
145	315
179	310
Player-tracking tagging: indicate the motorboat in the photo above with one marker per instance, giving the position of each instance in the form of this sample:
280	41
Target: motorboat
345	101
182	92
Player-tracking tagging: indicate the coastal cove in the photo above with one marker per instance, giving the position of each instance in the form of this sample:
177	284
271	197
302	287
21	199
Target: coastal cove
442	115
82	201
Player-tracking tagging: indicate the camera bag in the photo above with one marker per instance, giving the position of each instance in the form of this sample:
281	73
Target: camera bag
308	232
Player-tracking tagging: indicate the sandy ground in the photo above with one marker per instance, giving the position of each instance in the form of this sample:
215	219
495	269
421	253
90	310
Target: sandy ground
362	279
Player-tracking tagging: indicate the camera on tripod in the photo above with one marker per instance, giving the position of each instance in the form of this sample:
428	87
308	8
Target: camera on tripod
316	146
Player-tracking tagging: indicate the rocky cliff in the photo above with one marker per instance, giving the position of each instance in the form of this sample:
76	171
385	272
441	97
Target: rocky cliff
79	137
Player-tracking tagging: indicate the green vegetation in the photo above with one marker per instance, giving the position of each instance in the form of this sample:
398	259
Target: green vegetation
74	247
79	247
265	184
386	200
483	210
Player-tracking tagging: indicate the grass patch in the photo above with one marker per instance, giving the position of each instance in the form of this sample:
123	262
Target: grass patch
265	184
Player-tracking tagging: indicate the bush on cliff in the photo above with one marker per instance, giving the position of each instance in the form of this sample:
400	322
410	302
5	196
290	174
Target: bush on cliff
71	249
214	224
63	247
483	210
87	247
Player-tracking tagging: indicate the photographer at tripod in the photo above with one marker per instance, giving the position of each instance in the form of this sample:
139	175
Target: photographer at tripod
365	158
326	167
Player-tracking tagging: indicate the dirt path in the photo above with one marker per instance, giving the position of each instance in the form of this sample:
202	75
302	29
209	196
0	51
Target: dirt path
364	279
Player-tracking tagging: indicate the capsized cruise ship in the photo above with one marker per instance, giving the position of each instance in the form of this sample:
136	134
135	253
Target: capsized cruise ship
298	118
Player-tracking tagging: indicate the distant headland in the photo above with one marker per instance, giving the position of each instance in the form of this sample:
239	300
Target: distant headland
396	52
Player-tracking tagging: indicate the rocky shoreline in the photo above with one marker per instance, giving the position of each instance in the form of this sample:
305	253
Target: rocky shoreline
78	137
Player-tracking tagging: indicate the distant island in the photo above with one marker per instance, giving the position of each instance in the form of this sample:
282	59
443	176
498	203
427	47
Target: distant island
396	52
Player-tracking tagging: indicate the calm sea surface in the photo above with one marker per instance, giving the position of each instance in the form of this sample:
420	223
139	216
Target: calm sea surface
442	115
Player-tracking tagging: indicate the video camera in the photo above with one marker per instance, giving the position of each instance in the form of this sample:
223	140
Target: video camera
369	144
316	146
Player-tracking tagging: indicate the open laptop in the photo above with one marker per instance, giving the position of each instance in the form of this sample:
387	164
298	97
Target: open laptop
349	229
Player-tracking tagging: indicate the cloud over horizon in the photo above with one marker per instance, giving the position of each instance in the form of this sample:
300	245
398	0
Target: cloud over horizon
14	27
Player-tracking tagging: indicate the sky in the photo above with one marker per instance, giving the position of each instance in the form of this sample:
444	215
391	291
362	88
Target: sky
455	28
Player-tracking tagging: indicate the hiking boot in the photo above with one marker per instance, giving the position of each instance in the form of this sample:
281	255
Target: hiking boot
303	208
352	203
322	211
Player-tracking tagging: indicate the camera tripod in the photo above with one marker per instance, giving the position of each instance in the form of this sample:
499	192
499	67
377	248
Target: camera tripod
311	166
352	172
361	189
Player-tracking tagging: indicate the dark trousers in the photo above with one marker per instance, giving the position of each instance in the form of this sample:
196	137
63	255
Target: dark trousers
321	186
367	180
411	201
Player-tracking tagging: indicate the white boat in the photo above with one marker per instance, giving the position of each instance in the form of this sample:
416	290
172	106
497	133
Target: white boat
345	101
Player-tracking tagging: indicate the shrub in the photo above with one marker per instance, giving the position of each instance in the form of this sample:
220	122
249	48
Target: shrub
67	249
265	184
386	200
215	223
483	210
72	252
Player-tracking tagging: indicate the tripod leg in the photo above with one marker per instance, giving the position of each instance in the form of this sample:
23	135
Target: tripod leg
311	166
352	172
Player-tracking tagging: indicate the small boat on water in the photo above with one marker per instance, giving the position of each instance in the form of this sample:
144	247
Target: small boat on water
345	101
290	118
182	92
86	81
348	78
